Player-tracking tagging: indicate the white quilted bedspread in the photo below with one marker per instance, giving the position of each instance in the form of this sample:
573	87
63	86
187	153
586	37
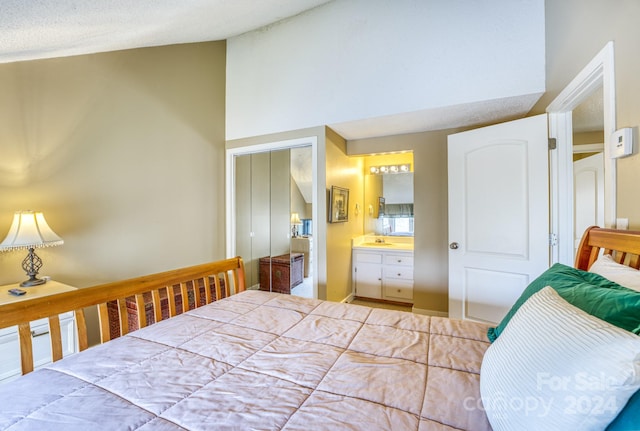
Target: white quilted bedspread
264	361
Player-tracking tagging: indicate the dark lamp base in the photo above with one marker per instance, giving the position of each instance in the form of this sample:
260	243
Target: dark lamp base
33	282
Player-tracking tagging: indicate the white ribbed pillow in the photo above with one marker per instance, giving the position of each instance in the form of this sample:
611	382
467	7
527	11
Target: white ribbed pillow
622	274
556	367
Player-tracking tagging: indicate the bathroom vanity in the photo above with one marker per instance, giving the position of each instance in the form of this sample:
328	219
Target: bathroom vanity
382	268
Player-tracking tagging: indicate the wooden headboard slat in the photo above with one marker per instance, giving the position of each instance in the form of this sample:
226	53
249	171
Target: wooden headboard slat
624	245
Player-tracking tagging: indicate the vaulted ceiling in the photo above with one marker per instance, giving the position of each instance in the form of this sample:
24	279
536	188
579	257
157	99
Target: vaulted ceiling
37	29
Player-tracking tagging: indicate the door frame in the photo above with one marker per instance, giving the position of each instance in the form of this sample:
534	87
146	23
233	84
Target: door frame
598	73
230	190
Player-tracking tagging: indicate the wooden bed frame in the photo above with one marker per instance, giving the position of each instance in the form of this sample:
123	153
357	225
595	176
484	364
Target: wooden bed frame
624	246
228	273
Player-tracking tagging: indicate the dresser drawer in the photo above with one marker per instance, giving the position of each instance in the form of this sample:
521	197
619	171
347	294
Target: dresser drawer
398	259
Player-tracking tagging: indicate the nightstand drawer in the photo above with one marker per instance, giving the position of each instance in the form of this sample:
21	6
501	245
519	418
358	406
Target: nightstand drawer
10	365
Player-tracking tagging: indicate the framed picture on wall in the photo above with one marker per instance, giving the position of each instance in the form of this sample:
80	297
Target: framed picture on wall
338	205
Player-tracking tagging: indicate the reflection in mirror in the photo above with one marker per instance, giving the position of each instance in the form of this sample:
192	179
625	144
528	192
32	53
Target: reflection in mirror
253	212
389	196
397	218
301	219
272	202
262	213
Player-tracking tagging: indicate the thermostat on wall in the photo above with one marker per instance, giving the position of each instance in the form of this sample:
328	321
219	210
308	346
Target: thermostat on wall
622	143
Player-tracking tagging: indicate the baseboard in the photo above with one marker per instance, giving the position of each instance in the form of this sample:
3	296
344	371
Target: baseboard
349	298
429	312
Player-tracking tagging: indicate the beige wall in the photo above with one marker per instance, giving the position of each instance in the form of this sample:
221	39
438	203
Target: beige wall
576	30
124	154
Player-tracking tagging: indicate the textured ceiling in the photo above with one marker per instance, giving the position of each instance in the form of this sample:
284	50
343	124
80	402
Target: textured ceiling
36	29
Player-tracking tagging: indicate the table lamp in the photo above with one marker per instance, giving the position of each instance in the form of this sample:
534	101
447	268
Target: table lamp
29	230
295	221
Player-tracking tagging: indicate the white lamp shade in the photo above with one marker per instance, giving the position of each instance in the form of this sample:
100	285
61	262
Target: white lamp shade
295	218
29	229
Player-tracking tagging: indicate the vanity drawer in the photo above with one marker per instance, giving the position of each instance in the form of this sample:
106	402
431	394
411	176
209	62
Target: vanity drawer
401	272
398	259
368	257
399	291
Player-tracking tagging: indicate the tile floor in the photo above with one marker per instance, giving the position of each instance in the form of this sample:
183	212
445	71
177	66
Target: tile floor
305	289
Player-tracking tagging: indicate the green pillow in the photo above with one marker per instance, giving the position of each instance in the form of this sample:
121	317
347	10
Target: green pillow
590	292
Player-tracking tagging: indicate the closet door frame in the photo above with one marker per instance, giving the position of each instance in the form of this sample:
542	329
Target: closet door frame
230	195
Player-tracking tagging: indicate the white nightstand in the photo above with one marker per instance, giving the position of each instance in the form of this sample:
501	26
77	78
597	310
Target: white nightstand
9	343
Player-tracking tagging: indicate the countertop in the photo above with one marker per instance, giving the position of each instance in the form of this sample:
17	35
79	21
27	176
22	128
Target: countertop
382	243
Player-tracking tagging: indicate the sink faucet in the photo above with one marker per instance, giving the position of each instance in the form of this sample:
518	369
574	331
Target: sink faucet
379	240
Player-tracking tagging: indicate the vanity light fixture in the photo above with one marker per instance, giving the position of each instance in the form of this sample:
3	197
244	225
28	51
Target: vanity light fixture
390	169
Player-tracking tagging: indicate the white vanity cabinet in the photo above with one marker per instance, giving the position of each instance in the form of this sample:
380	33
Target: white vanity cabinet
10	364
367	274
383	274
397	276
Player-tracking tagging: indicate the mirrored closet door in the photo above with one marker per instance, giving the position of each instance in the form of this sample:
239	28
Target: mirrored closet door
273	223
262	213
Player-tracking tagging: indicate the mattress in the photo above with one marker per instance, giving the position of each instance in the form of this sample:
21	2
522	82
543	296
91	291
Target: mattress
265	361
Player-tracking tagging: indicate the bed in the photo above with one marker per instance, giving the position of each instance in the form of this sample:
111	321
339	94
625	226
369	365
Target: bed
269	361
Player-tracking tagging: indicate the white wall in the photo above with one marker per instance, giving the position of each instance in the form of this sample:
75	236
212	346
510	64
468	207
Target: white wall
356	59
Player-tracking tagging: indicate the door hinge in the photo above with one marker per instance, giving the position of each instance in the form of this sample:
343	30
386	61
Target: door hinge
553	239
552	144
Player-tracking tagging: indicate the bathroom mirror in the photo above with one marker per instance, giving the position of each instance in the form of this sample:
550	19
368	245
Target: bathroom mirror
389	201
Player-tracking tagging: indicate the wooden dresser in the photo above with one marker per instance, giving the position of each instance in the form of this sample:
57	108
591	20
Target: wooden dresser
281	273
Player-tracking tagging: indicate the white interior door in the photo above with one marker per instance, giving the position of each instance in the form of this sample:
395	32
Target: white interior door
588	190
498	216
